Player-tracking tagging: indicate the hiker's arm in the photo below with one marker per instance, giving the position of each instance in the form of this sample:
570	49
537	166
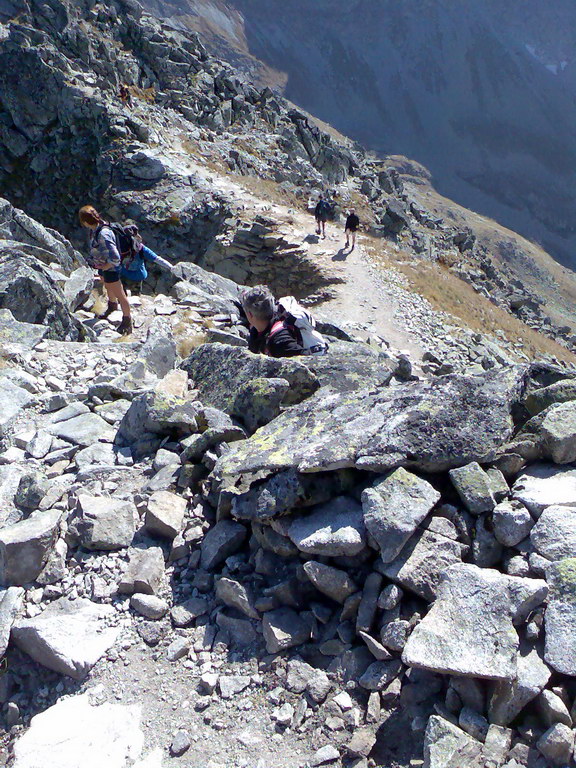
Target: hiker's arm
149	254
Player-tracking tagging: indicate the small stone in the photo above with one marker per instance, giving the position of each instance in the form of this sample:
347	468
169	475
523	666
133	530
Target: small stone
362	742
221	541
512	523
557	744
178	648
473	723
284	714
150	606
165	514
379	674
183	615
283	628
332	582
230	685
474	488
324	755
180	743
389	598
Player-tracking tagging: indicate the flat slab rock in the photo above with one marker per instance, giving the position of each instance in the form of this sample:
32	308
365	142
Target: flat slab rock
69	636
428	425
545	485
335	528
86	429
73	732
446	745
469	631
394	507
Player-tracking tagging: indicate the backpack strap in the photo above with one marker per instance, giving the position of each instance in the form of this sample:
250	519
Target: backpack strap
278	326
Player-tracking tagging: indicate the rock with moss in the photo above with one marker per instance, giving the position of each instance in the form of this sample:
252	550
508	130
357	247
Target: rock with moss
560	619
17	335
468	630
474	488
431	426
559	392
158	413
218	371
259	401
557	431
33	295
394	507
350	367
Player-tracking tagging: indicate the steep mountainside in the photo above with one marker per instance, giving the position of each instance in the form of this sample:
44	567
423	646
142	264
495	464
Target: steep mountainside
211	558
481	93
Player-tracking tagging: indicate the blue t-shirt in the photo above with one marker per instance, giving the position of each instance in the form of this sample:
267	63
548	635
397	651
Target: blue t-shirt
136	269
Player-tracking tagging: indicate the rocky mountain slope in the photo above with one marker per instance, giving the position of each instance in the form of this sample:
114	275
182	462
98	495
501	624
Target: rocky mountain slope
480	93
210	558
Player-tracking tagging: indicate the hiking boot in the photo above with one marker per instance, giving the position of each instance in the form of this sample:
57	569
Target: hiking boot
112	307
125	326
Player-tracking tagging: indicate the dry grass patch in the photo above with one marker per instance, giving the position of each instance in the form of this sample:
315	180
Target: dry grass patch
186	345
446	292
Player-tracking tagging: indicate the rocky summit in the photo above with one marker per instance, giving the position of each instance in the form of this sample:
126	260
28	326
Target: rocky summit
217	559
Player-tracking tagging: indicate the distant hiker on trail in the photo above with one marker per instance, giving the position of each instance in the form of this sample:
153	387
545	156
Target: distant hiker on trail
105	257
133	271
352	224
282	329
321	213
125	95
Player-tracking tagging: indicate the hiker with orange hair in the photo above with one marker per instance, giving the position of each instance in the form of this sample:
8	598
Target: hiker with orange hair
105	257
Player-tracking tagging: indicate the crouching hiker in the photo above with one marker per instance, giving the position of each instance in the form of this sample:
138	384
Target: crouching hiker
282	329
105	257
134	272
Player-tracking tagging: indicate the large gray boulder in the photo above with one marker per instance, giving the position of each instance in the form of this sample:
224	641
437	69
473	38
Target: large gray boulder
219	370
38	241
554	535
468	631
106	734
33	296
19	336
335	528
560	618
545	485
85	429
557	431
426	425
69	636
13	399
351	367
422	561
10	603
509	697
25	546
104	523
394	507
447	746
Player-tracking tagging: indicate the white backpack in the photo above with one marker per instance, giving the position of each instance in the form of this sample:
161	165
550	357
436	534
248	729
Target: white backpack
295	315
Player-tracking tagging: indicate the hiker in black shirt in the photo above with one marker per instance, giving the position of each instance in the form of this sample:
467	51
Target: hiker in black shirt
352	224
321	214
269	335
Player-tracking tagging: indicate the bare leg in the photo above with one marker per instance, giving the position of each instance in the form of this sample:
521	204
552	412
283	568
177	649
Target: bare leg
116	293
353	240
